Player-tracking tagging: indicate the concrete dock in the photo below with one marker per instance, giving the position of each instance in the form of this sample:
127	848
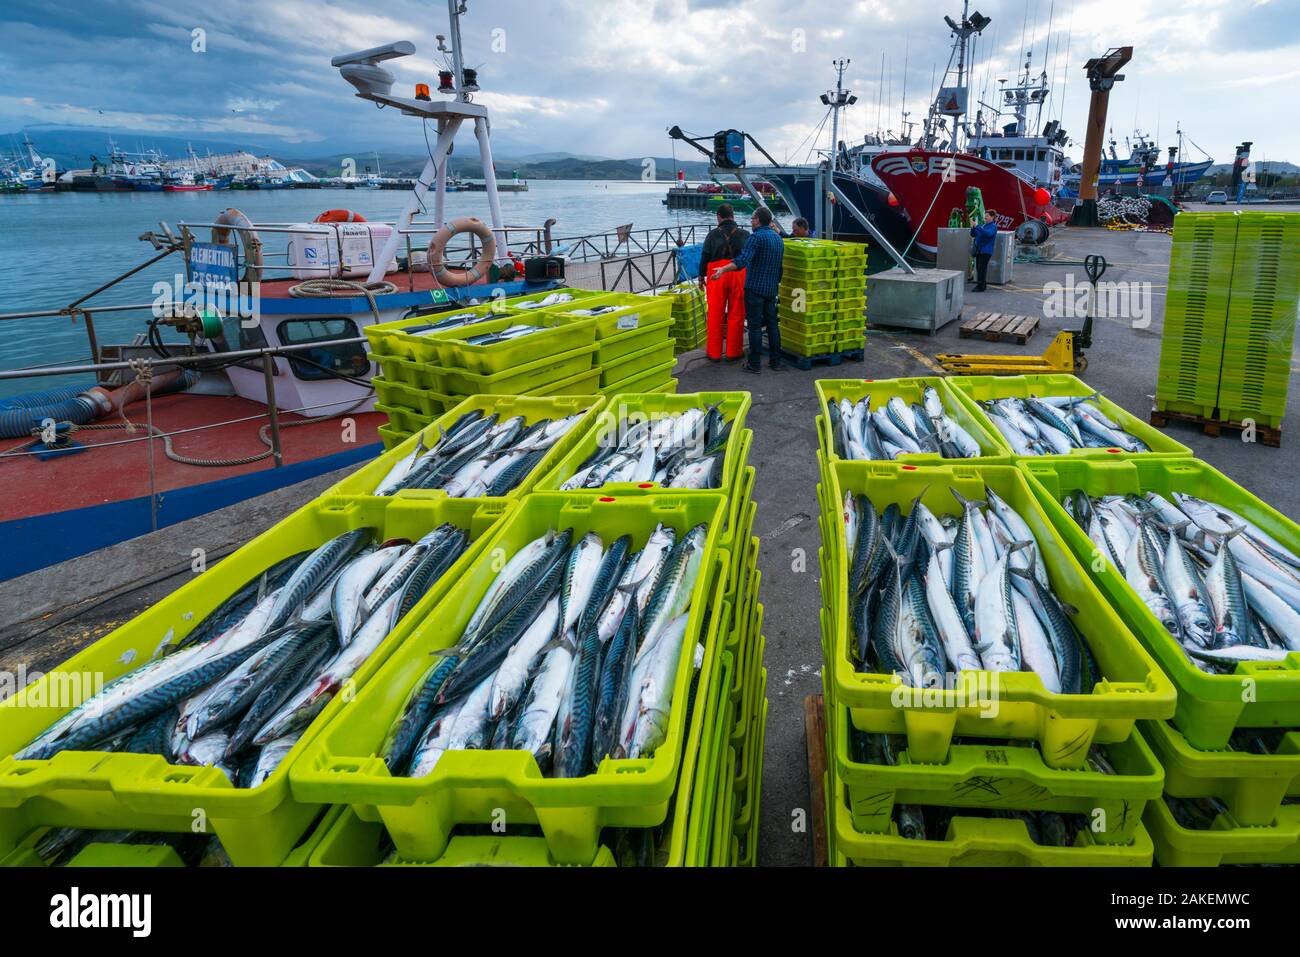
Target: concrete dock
52	613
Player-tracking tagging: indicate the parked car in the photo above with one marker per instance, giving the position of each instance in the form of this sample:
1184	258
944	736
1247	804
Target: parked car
1218	197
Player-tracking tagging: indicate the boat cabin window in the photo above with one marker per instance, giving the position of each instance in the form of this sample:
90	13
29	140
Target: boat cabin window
1020	154
348	359
236	336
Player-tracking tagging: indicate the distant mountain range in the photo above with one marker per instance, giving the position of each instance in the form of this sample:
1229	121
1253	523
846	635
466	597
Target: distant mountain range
73	148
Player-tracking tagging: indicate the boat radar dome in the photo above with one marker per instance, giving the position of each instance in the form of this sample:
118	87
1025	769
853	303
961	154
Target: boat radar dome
362	69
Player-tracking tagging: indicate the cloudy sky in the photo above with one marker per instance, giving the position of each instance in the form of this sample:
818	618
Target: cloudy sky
607	77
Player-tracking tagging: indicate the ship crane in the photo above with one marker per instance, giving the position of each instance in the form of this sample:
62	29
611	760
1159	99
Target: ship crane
1103	74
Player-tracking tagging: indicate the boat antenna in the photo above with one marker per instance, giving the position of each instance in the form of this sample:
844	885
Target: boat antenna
902	103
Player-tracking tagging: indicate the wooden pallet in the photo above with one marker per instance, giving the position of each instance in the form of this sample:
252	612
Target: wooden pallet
997	326
1264	434
814	724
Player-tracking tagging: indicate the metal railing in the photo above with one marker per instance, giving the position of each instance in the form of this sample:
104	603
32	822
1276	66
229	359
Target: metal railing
145	368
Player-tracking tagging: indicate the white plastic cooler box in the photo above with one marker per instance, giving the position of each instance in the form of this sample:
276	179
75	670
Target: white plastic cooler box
337	250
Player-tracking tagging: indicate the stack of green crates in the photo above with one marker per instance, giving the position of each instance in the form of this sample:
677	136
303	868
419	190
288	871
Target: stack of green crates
1234	737
1234	295
690	315
634	344
1196	312
743	711
979	765
143	792
821	306
1262	312
423	375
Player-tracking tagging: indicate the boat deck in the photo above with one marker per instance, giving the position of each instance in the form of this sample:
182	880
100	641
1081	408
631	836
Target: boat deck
114	464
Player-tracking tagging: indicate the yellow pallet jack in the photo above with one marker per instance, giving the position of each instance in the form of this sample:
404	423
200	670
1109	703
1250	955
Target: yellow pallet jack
1065	354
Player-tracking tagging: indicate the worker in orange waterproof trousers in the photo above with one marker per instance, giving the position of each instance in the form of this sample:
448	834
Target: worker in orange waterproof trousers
726	297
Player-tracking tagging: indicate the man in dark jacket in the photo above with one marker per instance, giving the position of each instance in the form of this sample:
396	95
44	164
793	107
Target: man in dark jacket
985	236
726	295
761	260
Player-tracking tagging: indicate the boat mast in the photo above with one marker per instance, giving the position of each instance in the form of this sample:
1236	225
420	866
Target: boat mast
970	25
836	99
374	83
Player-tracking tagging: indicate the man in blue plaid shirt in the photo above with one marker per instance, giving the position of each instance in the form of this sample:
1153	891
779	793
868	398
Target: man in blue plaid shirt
761	260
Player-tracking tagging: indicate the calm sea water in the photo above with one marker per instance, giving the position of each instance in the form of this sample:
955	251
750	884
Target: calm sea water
56	247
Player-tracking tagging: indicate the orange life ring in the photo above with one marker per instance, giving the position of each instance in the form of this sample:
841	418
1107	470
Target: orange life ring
462	277
339	216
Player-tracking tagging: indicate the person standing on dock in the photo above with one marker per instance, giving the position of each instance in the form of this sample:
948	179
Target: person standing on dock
985	236
799	228
761	259
726	296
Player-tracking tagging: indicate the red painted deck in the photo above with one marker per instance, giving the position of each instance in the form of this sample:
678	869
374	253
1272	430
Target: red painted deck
109	473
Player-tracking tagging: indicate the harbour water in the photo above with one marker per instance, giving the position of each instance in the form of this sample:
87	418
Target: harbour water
54	248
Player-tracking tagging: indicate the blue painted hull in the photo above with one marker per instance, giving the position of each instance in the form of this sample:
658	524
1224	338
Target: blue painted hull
42	540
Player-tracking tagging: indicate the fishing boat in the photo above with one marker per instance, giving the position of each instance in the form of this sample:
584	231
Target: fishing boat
186	182
27	174
1142	170
1018	171
255	374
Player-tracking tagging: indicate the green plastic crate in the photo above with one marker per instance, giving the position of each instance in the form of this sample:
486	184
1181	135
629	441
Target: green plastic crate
1064	725
819	251
367	478
257	826
389	339
747	811
975	842
973	389
993	448
1178	846
558	336
341	766
1252	786
722	839
1011	777
352	842
583	383
402	419
749	654
807	345
419	403
637	364
641	382
392	437
746	714
520	379
632	407
593	297
634	313
1209	706
697	793
633	340
743	585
